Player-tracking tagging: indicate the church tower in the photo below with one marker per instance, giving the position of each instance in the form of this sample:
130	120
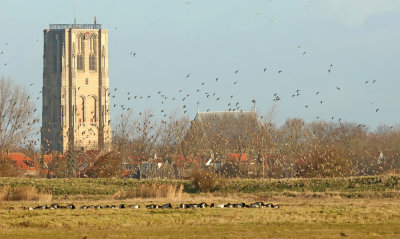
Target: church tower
76	110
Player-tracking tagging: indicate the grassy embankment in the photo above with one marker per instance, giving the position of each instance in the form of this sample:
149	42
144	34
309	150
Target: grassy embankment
373	186
361	207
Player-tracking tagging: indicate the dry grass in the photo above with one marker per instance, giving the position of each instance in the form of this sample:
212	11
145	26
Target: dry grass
151	191
4	192
296	218
23	194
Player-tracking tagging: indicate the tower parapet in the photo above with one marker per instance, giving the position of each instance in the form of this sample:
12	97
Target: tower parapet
76	26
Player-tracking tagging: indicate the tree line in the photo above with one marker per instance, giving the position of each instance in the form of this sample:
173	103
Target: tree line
294	149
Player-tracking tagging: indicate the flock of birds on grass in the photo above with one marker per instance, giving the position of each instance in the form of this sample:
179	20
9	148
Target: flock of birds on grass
155	206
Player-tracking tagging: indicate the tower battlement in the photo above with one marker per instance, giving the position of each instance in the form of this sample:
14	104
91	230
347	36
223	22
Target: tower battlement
74	26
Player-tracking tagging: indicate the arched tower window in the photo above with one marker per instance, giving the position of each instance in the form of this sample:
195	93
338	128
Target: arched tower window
81	109
93	53
81	53
92	106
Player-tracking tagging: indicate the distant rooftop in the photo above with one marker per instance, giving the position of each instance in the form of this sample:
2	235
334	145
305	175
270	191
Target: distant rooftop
77	26
226	116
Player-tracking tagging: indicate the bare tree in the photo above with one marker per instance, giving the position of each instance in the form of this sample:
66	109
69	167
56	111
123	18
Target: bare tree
123	133
17	120
137	135
172	135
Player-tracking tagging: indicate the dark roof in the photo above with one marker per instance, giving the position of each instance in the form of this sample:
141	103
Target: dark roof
226	116
228	124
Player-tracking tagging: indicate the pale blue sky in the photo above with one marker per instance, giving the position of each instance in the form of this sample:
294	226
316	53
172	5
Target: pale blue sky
209	39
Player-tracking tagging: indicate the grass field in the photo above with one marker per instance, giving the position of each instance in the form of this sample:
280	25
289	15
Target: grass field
296	218
367	213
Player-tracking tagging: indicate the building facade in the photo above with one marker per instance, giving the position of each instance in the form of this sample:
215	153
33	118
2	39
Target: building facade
76	110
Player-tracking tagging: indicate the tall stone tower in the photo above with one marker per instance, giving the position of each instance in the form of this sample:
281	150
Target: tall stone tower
76	110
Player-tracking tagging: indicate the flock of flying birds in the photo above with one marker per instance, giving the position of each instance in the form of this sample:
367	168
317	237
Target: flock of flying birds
182	96
233	104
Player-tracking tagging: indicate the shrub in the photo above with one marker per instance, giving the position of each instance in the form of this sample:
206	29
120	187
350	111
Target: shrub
106	166
8	168
4	192
23	194
151	191
203	180
325	162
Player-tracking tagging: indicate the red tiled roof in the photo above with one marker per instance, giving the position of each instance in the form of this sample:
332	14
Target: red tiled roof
241	157
22	161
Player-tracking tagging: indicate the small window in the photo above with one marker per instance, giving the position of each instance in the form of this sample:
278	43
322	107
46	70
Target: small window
87	81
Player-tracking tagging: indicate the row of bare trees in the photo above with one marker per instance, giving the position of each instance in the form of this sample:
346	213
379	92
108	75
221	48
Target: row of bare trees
295	149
